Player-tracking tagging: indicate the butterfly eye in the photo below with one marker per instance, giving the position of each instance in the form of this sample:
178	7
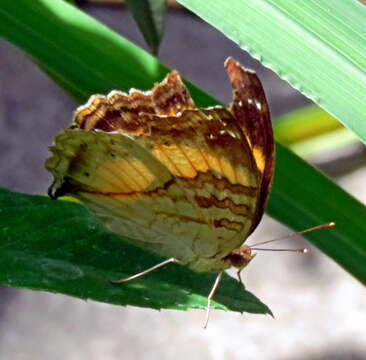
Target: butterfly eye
86	174
112	155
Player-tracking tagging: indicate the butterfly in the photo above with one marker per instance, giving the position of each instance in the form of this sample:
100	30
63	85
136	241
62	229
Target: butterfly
190	184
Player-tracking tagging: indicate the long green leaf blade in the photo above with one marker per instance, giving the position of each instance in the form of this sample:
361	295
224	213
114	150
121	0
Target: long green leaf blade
303	197
59	246
303	124
319	47
311	131
150	17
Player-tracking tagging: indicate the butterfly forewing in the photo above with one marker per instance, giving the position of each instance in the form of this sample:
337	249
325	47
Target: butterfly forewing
180	181
251	112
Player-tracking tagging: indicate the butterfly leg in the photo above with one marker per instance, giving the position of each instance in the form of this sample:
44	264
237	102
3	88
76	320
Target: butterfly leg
210	296
239	277
136	276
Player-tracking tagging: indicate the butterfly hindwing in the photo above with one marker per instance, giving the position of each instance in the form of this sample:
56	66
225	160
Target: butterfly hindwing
170	193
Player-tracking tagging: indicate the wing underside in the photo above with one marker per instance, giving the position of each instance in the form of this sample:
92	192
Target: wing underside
179	196
174	179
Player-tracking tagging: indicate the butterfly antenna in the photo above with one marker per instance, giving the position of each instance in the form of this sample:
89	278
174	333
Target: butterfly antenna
210	296
142	273
301	250
297	233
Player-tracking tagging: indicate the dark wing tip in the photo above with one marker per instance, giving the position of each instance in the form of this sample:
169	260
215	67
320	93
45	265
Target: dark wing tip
236	71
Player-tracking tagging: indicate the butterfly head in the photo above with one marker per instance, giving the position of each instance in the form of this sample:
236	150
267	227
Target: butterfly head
240	257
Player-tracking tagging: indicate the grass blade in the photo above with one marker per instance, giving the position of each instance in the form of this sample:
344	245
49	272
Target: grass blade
319	47
150	18
311	131
303	197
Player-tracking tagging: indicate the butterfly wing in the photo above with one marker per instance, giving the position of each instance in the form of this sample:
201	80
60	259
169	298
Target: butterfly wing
251	112
184	185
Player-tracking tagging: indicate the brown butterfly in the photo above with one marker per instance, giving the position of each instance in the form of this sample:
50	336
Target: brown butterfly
187	183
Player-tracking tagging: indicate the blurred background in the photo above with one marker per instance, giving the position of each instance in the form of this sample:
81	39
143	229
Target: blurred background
319	308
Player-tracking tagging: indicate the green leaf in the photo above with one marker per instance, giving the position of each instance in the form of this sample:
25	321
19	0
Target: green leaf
326	143
89	58
311	131
59	246
150	18
71	2
319	47
303	197
303	124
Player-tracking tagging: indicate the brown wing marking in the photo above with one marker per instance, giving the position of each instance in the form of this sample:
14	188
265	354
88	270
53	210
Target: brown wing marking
251	112
113	112
171	96
121	111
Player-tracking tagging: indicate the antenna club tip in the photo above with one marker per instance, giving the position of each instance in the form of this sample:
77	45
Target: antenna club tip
331	224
